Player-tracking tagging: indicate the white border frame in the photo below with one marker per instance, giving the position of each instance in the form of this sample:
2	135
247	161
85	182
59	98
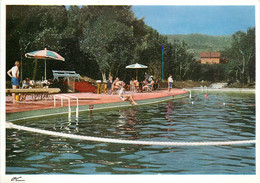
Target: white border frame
124	178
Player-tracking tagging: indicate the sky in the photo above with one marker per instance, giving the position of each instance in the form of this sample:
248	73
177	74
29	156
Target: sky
210	20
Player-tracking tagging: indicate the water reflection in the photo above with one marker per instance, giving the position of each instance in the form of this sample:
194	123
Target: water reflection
169	108
127	122
32	153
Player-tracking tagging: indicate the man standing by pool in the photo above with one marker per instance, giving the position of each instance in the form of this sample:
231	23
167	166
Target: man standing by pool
170	82
14	74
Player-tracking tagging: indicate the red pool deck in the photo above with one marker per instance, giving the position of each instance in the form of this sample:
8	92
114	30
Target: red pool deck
84	99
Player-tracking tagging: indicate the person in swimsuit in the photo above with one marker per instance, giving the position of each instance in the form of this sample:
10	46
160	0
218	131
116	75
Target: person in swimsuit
115	86
149	86
132	85
125	97
14	74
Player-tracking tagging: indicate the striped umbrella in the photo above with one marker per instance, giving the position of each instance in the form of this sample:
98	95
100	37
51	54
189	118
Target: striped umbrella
136	66
43	54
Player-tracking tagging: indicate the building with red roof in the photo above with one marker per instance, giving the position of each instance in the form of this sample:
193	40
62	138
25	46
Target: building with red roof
211	58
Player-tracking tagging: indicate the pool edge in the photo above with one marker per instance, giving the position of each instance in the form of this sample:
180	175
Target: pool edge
17	116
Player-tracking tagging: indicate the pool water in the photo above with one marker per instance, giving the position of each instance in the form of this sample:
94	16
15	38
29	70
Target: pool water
218	117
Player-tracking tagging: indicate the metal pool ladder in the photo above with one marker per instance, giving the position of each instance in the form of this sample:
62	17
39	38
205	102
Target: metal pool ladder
187	90
204	88
68	97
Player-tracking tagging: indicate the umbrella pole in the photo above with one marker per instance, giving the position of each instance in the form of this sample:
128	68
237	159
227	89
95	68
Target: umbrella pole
34	71
45	69
21	70
136	74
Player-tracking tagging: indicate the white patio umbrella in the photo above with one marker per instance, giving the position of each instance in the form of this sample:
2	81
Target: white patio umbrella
136	66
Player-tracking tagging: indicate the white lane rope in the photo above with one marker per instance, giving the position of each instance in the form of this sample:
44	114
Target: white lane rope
136	142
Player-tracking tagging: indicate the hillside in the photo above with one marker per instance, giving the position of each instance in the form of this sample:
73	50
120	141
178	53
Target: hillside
200	42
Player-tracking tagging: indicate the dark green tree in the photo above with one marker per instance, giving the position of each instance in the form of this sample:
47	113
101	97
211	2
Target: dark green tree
32	28
242	56
108	38
180	62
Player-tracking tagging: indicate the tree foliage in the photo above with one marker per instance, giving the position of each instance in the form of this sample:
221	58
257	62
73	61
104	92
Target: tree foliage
107	39
241	66
97	41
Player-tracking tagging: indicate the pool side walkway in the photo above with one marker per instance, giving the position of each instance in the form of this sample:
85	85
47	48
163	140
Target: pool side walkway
85	99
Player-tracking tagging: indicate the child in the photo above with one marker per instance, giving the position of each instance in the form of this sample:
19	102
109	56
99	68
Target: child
170	82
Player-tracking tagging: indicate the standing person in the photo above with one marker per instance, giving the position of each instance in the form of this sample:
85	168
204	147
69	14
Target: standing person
110	82
146	76
170	82
14	74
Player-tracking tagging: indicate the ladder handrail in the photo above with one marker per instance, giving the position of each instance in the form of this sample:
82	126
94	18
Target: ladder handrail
187	90
206	88
69	109
77	108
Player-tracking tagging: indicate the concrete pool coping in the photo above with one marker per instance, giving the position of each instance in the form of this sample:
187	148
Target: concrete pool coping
96	102
38	109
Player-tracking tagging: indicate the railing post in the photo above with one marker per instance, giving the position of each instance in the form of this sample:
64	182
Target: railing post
77	107
187	90
61	101
69	108
69	115
206	88
54	100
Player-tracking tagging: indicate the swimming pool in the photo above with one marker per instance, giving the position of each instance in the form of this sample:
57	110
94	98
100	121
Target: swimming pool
218	117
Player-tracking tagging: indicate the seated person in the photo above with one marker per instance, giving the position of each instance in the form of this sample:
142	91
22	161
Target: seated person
132	85
136	83
26	84
156	84
145	82
125	97
115	86
149	86
45	83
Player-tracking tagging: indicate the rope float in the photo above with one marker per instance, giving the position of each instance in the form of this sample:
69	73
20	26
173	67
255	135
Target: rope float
100	139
